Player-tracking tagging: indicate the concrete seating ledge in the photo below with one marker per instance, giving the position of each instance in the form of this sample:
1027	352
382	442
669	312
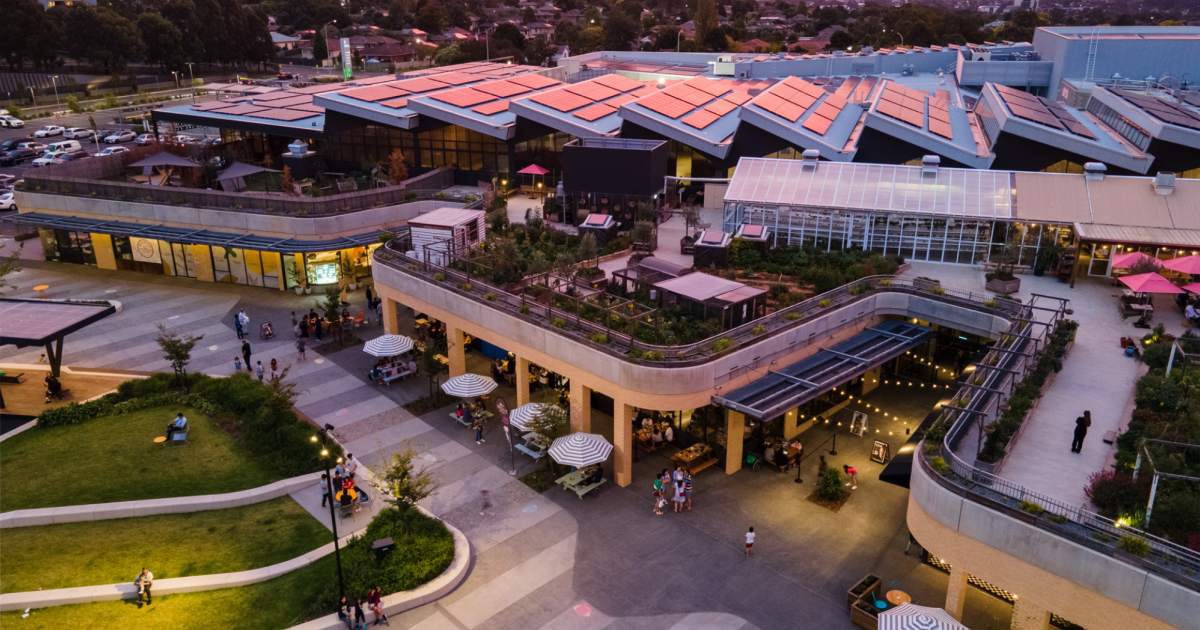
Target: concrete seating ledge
150	507
394	603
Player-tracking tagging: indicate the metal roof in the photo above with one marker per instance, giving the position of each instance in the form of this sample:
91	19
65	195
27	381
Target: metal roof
1138	235
699	286
26	322
873	187
205	237
780	390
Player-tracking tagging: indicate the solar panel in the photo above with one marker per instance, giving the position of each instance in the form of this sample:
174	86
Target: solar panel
592	91
837	101
621	99
913	117
941	128
396	103
720	107
817	124
275	96
465	97
241	109
715	88
644	90
847	87
309	108
535	81
737	97
211	105
595	112
296	99
455	78
417	86
938	114
502	89
560	100
283	114
374	93
779	107
689	94
666	105
828	110
1039	115
494	107
618	82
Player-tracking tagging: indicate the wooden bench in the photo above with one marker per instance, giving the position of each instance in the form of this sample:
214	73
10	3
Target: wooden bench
696	469
581	490
17	378
531	452
395	375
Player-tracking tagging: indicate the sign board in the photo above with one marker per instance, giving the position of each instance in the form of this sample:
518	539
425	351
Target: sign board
347	60
858	423
145	250
881	452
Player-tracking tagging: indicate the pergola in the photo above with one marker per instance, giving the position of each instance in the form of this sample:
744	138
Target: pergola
26	323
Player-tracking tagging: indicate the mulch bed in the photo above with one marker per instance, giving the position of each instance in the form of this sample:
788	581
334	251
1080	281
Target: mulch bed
833	506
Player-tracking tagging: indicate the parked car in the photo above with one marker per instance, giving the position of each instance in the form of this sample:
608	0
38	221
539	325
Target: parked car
185	139
16	156
70	156
8	201
48	158
106	151
145	139
48	131
78	133
67	146
120	136
9	144
31	145
11	122
7	180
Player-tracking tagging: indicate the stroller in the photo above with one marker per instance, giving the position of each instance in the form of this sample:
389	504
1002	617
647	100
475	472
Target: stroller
266	331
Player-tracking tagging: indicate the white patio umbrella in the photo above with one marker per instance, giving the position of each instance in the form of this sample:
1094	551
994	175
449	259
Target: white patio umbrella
468	386
580	449
388	346
914	617
520	417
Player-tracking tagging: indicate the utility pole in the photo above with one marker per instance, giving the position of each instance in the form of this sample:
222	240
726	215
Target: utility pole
191	81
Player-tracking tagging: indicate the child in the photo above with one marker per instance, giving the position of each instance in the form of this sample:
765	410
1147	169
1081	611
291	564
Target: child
237	364
852	473
750	542
259	371
659	504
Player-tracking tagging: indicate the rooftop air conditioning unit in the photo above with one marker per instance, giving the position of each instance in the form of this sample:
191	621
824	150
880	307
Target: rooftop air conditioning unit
809	158
1164	183
1094	171
930	164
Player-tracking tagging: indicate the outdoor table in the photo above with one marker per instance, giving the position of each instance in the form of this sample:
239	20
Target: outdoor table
441	358
898	597
570	479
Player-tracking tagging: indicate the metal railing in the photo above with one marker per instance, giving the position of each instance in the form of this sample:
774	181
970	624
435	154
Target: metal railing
436	267
1010	358
60	181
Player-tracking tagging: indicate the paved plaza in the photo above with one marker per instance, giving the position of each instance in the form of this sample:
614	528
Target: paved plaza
547	560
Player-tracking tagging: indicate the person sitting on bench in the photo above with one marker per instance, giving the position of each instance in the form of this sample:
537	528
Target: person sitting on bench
595	474
178	425
54	388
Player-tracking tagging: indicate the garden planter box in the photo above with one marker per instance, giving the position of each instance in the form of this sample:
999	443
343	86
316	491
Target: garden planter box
1003	287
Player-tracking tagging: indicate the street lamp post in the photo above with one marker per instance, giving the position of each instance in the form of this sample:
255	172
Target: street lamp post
176	75
191	81
54	82
337	550
32	97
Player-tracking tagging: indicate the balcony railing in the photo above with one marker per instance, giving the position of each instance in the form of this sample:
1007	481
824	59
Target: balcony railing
620	344
72	180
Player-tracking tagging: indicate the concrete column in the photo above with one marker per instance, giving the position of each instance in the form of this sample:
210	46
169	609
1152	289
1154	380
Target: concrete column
581	407
456	351
956	592
390	316
622	442
1027	615
791	428
735	429
522	374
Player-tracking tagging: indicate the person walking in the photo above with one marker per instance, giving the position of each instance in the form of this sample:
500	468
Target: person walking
370	299
144	581
259	371
477	425
237	325
1081	428
246	355
656	493
237	363
301	347
375	603
243	321
688	490
323	484
679	498
750	542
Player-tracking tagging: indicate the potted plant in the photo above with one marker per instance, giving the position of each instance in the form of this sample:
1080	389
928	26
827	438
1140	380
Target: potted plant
1001	279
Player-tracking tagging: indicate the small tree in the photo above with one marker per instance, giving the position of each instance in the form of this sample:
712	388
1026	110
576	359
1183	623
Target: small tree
407	485
331	309
286	183
281	388
397	169
9	265
177	351
588	249
552	423
829	485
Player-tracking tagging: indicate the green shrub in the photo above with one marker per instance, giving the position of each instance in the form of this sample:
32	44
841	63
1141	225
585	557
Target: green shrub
652	355
599	338
939	464
722	344
490	296
1058	519
465	286
829	485
824	303
990	303
524	309
792	316
1031	507
439	277
759	330
559	322
1135	545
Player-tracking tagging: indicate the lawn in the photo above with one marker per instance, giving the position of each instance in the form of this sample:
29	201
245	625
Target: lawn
115	459
173	545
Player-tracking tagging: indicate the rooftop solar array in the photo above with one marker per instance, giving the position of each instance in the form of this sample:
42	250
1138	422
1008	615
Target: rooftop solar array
1036	109
904	104
1162	110
873	188
284	105
593	99
395	93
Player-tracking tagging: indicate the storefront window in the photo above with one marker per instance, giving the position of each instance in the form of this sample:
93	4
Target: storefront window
322	268
68	246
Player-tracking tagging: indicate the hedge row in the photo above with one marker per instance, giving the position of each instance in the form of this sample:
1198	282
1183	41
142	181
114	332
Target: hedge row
262	421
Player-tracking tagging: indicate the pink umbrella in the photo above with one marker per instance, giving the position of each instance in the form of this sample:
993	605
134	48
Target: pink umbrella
1149	283
533	169
1133	259
1184	264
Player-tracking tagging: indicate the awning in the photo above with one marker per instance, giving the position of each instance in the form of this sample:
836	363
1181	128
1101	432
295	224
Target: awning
242	169
1131	235
898	470
204	237
162	158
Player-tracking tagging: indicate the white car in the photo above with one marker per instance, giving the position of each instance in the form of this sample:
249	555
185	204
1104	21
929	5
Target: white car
185	139
48	158
8	201
120	136
49	130
112	151
145	139
78	133
11	122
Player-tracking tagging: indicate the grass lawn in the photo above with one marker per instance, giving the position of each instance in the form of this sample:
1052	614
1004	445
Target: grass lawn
173	545
115	459
279	603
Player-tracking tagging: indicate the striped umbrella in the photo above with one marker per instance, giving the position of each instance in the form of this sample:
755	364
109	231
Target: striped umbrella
468	386
388	346
580	449
913	617
520	417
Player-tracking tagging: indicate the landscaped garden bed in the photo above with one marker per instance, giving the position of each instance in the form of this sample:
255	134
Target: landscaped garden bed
172	545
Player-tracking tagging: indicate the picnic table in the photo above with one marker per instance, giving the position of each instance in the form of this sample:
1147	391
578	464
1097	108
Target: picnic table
695	458
573	481
534	446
